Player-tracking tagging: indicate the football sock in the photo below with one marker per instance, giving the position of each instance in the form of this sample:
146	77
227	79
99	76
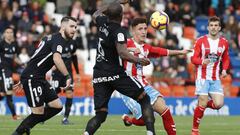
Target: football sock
49	112
137	122
29	123
211	105
198	114
95	122
68	106
10	104
168	122
147	114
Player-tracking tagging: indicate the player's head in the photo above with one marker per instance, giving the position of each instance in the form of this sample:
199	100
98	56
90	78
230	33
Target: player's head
214	25
68	26
8	33
139	29
115	12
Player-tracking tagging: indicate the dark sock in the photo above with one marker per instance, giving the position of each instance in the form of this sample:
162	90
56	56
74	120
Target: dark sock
29	123
49	112
147	113
10	104
95	122
68	106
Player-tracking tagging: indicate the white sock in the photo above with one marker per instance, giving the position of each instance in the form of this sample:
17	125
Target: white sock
149	132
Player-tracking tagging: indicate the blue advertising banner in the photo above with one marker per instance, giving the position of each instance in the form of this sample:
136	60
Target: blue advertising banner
84	106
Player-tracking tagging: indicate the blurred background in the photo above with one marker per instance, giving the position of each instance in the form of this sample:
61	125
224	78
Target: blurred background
172	76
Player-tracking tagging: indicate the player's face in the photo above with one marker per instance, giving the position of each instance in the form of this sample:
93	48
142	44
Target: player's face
8	34
140	32
70	29
214	28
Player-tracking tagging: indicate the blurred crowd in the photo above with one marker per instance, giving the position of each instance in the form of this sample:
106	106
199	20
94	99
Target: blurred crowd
32	19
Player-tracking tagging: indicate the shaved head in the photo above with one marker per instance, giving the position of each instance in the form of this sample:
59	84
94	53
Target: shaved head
114	11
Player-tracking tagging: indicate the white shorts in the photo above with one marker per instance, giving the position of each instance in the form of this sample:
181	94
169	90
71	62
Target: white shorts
205	87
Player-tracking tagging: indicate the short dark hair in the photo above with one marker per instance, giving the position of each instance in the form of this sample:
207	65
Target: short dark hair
214	19
114	11
67	18
137	21
9	27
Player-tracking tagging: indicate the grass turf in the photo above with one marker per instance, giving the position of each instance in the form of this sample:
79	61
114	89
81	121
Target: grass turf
210	125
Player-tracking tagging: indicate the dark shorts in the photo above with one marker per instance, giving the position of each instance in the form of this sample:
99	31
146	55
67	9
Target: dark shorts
105	85
38	92
58	81
6	81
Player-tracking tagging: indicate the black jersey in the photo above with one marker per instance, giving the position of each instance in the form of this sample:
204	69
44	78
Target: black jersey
42	59
109	33
7	52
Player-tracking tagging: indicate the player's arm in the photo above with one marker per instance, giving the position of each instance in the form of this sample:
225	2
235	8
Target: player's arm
225	61
58	61
124	54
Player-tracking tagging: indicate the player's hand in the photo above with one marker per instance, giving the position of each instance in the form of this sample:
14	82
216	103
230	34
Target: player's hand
185	51
206	61
224	73
18	87
144	61
68	82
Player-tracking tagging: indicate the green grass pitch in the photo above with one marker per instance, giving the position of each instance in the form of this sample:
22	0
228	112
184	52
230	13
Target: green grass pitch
210	125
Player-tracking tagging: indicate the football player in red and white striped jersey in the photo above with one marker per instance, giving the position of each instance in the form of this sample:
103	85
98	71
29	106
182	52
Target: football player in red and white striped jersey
139	48
210	51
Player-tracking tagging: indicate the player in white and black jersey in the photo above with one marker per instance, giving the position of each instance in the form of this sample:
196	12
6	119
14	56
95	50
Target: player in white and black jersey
57	80
37	90
109	73
8	55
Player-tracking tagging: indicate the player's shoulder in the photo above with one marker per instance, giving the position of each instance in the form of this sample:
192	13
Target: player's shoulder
223	40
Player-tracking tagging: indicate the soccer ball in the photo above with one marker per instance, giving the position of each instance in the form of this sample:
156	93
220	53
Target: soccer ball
159	20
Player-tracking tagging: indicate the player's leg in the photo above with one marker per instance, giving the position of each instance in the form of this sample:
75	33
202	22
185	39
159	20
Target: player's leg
8	85
135	108
102	95
68	105
202	87
216	93
34	94
54	104
129	86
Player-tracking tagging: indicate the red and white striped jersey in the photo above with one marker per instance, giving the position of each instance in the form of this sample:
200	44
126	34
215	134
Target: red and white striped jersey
146	51
216	50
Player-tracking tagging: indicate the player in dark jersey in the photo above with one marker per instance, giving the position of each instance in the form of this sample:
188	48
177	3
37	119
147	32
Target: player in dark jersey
57	81
37	90
8	55
109	73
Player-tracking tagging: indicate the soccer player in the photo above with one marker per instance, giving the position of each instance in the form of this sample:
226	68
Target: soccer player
8	55
37	90
69	56
137	46
109	74
210	51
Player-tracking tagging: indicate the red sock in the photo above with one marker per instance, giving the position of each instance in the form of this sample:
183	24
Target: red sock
168	122
198	114
210	104
138	122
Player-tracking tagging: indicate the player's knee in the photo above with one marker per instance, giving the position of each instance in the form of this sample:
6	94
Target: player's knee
218	105
101	116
